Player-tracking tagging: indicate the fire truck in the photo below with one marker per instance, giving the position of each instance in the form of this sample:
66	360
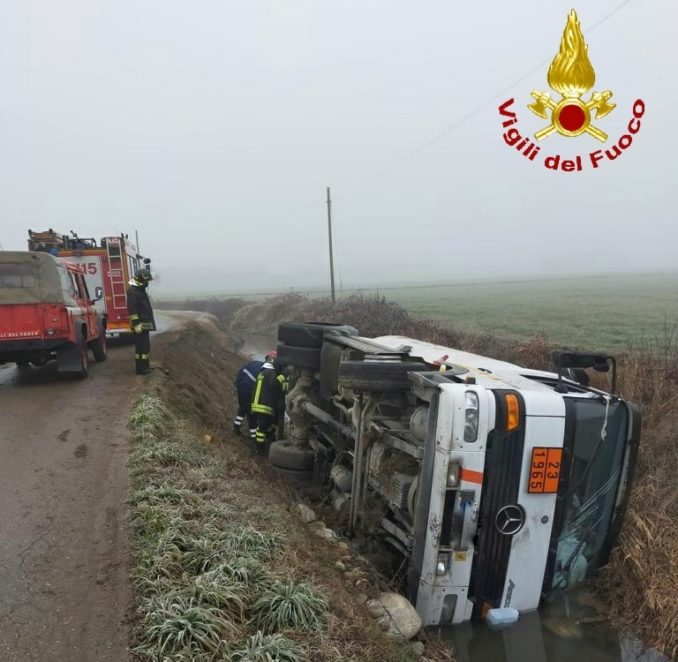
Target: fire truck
108	264
494	485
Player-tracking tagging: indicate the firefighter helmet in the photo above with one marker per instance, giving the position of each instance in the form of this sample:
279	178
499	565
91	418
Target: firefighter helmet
144	276
272	355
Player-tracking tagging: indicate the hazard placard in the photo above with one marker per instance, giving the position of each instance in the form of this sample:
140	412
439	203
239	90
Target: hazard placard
545	470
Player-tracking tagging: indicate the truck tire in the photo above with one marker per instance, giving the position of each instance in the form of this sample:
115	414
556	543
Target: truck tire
299	357
377	375
311	334
284	455
99	348
293	476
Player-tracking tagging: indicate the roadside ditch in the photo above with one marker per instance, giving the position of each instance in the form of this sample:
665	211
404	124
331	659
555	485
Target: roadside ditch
640	584
227	564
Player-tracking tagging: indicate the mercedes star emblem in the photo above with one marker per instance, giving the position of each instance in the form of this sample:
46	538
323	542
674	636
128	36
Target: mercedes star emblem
510	520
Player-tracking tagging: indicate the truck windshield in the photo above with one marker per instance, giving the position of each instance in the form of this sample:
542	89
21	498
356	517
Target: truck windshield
597	444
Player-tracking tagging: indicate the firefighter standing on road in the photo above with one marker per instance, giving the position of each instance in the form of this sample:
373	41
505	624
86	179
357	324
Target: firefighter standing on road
268	401
141	319
244	384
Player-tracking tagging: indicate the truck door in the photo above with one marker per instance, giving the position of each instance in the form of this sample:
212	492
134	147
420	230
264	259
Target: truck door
460	418
92	269
89	315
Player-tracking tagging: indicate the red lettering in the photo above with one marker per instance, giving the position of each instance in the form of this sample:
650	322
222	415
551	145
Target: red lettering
596	157
552	162
504	109
512	136
638	108
625	141
612	155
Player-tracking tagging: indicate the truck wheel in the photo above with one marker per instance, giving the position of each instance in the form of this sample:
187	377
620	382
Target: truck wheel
293	476
310	334
100	348
284	455
299	357
377	375
84	361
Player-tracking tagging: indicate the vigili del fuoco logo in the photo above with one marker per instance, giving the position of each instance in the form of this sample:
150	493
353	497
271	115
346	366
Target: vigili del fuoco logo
572	77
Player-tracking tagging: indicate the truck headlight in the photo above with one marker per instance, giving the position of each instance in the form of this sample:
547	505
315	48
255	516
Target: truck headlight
443	565
471	417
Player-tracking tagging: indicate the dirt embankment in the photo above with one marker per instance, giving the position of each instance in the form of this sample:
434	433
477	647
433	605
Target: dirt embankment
196	484
641	580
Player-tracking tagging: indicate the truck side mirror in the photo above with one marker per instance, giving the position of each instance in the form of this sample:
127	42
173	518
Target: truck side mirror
98	293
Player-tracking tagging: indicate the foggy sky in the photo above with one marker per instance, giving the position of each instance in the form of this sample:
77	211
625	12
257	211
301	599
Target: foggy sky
213	128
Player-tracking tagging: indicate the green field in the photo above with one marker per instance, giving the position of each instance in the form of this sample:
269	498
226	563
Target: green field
596	313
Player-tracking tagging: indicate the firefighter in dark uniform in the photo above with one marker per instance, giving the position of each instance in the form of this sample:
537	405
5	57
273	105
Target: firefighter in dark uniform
141	319
244	385
268	402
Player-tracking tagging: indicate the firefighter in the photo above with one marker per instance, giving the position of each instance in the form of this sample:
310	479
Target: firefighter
244	385
268	401
141	319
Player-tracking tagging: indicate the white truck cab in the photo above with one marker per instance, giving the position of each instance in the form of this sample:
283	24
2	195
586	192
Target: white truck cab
497	484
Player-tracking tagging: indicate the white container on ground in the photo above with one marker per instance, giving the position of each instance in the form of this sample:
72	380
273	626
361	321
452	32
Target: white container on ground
502	616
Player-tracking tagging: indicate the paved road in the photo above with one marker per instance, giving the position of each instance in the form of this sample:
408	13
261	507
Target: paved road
63	487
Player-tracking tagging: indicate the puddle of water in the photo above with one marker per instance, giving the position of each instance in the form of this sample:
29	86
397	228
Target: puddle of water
568	629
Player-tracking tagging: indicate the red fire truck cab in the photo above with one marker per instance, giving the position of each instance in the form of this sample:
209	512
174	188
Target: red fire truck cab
46	312
107	264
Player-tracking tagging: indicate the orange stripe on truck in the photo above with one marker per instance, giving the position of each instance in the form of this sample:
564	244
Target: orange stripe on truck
471	476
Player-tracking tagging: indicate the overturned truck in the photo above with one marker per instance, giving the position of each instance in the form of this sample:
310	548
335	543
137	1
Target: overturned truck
497	485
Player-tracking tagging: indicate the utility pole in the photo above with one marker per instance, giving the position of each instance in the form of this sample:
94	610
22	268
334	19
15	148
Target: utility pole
329	232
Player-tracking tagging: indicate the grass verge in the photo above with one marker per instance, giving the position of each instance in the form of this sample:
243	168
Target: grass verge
202	581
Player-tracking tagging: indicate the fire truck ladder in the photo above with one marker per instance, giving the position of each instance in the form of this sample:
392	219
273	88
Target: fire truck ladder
116	276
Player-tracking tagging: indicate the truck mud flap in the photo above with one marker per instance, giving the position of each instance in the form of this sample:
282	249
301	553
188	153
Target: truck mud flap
69	359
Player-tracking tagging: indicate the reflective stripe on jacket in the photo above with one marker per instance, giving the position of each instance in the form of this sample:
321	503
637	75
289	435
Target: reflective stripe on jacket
247	378
139	308
269	391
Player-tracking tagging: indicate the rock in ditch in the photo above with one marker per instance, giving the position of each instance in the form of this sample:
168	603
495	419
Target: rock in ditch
375	608
325	533
306	513
417	648
384	622
404	622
